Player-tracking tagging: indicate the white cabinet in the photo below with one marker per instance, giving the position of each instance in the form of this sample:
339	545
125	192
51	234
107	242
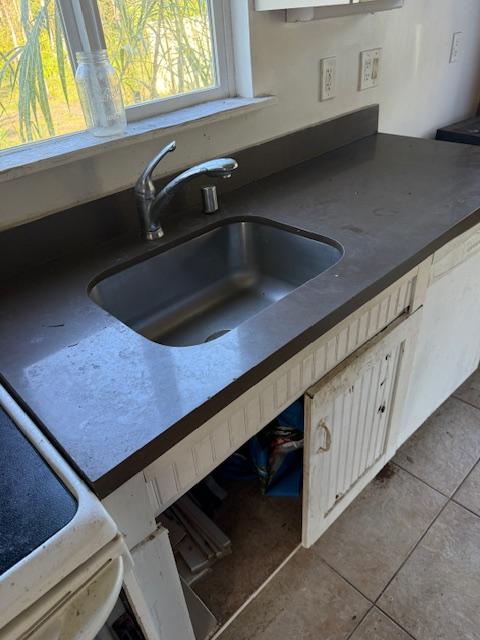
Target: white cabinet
304	10
351	418
448	345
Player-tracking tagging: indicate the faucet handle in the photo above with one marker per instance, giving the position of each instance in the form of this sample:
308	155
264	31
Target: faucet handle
144	184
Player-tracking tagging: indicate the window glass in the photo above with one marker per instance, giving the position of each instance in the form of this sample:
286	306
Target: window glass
38	98
160	48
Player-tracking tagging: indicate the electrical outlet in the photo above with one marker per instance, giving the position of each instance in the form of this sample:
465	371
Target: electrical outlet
328	78
457	47
369	69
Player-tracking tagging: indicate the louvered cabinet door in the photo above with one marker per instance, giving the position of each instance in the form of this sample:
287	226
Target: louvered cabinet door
350	421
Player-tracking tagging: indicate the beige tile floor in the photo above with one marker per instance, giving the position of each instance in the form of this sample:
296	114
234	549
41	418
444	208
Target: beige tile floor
403	561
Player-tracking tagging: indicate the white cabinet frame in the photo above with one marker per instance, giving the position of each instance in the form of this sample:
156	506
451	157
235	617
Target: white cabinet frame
155	592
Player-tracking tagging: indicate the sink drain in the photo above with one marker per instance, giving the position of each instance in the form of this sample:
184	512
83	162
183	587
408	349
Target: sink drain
216	335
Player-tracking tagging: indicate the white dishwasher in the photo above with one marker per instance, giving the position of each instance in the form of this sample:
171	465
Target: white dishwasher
62	559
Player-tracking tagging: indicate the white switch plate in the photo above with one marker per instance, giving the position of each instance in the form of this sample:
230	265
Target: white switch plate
369	69
457	47
328	78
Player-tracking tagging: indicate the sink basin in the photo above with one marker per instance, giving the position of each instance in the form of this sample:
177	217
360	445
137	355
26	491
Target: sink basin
202	288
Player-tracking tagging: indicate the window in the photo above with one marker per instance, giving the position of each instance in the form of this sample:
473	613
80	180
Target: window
169	54
37	89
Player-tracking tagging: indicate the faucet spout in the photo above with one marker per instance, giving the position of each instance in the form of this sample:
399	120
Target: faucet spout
152	205
144	183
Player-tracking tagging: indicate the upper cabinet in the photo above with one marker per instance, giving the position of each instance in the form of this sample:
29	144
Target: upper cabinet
304	10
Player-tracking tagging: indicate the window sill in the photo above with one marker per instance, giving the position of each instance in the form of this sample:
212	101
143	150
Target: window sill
29	159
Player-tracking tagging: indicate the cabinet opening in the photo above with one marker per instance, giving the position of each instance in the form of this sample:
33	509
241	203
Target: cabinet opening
236	527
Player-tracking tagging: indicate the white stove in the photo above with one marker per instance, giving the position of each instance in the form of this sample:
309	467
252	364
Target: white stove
65	588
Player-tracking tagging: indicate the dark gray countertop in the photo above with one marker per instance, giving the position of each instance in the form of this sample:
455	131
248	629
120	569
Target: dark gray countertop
113	401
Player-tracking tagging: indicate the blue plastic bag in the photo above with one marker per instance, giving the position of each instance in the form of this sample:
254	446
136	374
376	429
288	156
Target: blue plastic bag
274	456
277	453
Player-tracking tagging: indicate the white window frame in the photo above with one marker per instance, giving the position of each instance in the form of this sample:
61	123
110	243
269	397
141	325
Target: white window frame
84	32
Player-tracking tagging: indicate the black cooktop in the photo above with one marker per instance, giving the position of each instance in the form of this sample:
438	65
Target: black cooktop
466	132
34	503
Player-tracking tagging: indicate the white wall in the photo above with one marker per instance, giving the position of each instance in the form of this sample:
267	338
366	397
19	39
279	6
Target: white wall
419	91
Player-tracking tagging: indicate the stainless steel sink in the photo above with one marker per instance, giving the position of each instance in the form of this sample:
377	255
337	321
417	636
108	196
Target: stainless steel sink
201	289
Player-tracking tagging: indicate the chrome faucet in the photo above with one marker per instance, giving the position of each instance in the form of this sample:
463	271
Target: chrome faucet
151	205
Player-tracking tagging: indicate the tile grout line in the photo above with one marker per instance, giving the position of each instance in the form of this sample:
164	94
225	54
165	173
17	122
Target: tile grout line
389	617
218	633
459	504
470	404
410	553
377	605
396	464
372	602
373	608
445	495
449	499
360	621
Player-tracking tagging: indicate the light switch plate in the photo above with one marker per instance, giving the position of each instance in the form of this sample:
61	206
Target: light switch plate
369	69
457	47
328	78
